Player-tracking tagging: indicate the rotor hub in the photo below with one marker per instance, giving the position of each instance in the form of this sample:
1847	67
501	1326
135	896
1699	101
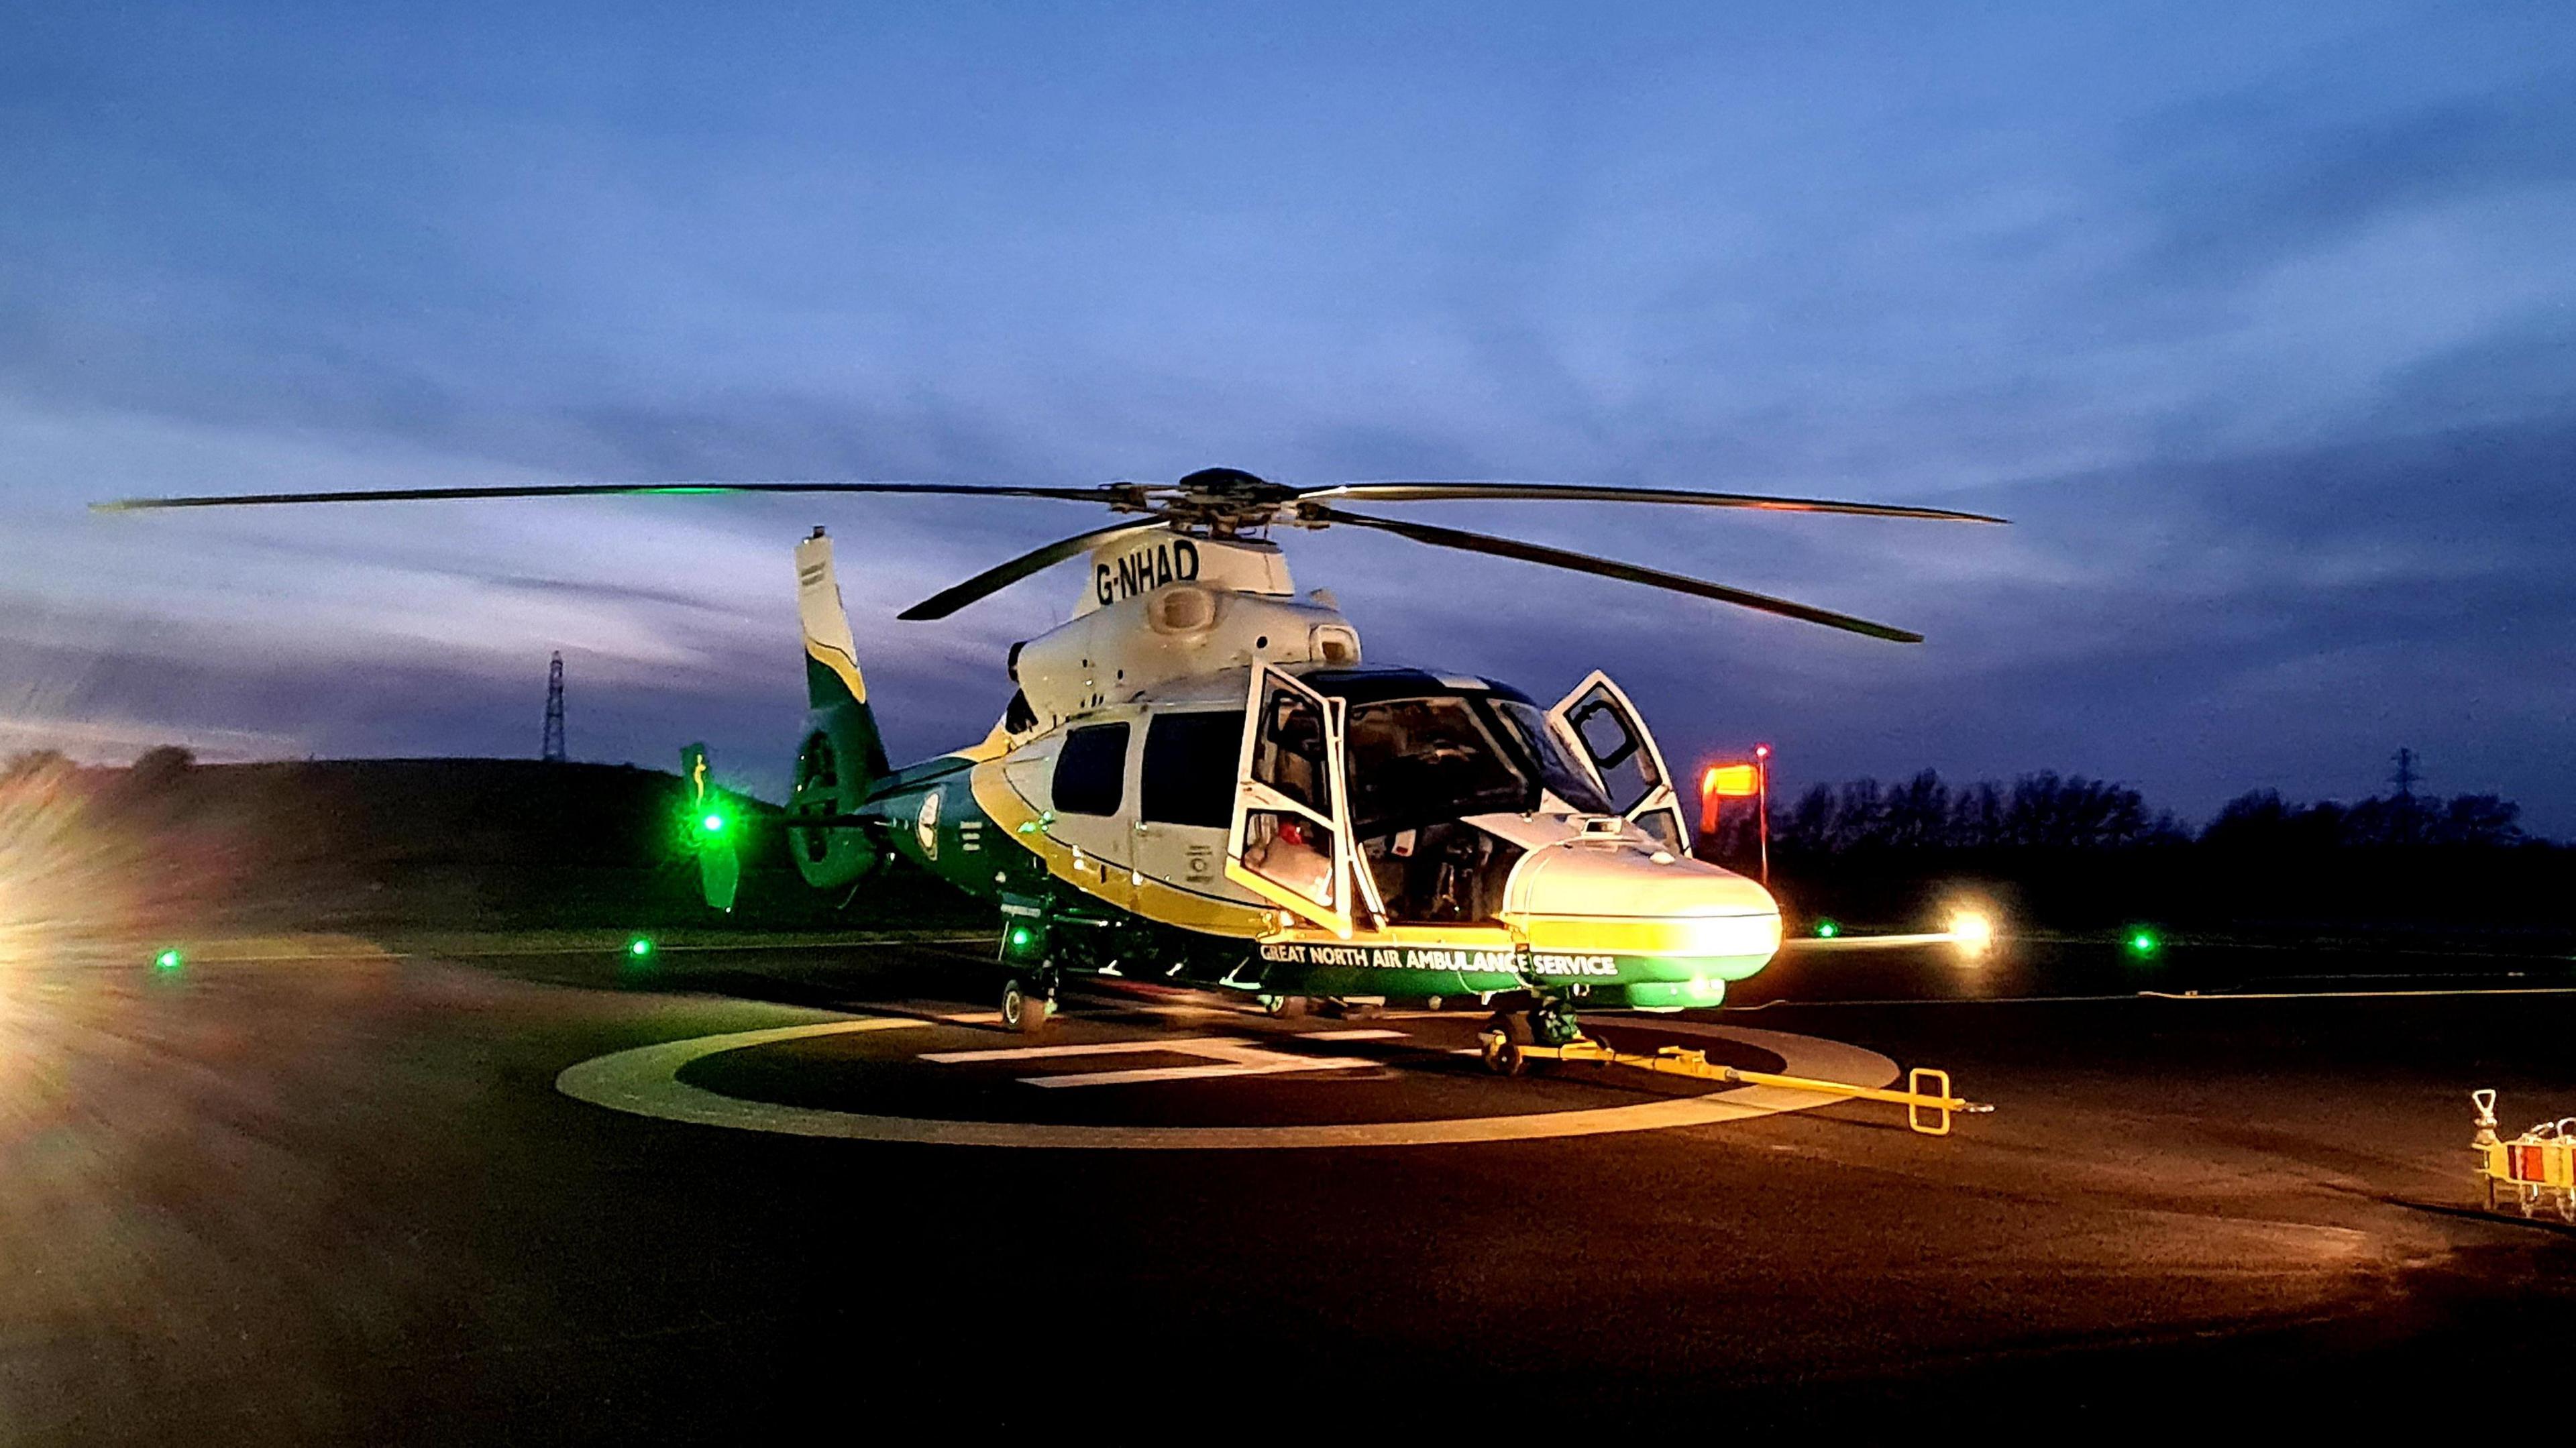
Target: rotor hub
1218	501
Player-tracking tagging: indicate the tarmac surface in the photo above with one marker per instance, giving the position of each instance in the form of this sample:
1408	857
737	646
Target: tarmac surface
314	1190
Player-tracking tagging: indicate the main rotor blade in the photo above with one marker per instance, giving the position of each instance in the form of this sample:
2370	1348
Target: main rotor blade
595	490
1003	575
1428	492
1607	568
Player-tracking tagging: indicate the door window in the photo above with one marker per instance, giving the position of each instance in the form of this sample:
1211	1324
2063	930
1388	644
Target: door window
1289	753
1604	729
1189	768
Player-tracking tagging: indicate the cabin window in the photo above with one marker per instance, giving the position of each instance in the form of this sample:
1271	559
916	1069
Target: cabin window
1091	770
1189	768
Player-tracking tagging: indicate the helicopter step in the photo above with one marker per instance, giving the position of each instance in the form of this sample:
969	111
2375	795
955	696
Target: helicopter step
1926	1098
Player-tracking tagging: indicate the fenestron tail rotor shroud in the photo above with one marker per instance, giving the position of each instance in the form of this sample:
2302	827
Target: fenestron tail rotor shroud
1216	502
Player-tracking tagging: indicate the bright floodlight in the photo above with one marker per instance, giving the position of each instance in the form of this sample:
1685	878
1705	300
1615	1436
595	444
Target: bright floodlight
1972	932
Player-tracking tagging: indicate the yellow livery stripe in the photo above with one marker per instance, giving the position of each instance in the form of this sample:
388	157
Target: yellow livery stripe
1684	935
843	667
1164	904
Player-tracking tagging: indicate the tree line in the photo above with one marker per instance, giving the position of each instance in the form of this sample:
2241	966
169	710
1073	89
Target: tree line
2047	811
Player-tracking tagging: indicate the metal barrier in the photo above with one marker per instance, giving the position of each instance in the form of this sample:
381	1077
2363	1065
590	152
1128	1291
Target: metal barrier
1926	1111
2536	1170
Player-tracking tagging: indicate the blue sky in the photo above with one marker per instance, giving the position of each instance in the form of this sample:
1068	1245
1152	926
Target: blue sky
2257	320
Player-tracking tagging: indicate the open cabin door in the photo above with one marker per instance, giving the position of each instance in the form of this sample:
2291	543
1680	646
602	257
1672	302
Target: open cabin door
1290	840
1605	729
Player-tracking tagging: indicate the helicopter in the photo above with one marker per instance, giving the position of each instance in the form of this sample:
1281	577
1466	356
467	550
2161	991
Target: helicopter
1199	782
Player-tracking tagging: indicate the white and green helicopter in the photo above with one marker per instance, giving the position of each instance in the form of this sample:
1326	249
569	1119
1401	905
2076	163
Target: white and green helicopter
1199	782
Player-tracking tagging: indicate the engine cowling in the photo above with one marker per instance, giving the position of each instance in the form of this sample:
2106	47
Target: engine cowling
1119	651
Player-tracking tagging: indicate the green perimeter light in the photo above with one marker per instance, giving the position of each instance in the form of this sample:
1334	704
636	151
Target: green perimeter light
168	960
1828	928
639	947
2144	943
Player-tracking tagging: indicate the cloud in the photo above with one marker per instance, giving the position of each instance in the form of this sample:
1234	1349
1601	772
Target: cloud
2259	324
2250	181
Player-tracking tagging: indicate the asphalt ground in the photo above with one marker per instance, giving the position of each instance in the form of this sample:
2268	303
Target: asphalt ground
334	1194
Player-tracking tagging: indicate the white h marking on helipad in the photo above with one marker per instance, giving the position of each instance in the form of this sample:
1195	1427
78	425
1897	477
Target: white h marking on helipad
1228	1057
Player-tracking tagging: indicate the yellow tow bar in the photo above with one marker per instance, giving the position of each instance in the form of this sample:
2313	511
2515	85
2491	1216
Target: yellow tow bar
1926	1098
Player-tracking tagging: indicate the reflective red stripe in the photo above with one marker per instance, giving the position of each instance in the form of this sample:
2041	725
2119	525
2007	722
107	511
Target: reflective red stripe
2528	1162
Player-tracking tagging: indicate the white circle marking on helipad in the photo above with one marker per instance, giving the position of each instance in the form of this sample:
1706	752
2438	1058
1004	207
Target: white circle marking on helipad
645	1081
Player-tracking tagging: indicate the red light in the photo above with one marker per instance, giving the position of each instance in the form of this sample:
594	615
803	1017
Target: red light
1761	751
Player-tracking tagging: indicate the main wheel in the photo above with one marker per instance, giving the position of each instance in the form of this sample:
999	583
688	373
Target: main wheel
1504	1036
1022	1011
1286	1008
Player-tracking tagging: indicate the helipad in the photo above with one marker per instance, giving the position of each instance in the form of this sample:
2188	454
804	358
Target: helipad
646	1081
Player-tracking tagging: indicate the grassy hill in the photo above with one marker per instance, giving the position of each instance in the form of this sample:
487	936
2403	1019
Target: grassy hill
444	844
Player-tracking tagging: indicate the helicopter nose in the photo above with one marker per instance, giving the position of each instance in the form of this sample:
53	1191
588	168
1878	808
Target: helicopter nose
1619	898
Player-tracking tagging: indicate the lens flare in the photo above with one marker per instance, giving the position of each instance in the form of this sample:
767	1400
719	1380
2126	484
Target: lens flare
1973	932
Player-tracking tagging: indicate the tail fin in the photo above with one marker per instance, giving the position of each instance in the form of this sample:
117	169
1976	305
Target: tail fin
842	754
833	683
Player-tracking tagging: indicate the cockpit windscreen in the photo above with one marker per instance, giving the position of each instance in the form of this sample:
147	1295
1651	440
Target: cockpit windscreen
1415	762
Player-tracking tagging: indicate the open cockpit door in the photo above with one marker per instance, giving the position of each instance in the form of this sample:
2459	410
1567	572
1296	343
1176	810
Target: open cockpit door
1290	840
1604	728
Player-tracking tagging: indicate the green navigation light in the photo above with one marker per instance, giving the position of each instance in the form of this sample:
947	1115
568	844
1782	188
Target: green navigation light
1020	937
714	824
1828	929
2143	943
168	960
639	947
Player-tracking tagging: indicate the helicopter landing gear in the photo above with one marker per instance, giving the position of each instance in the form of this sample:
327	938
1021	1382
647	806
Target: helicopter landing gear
1504	1036
1286	1008
1549	1023
1026	1004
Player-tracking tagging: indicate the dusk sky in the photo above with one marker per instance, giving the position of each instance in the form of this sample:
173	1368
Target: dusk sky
2256	320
